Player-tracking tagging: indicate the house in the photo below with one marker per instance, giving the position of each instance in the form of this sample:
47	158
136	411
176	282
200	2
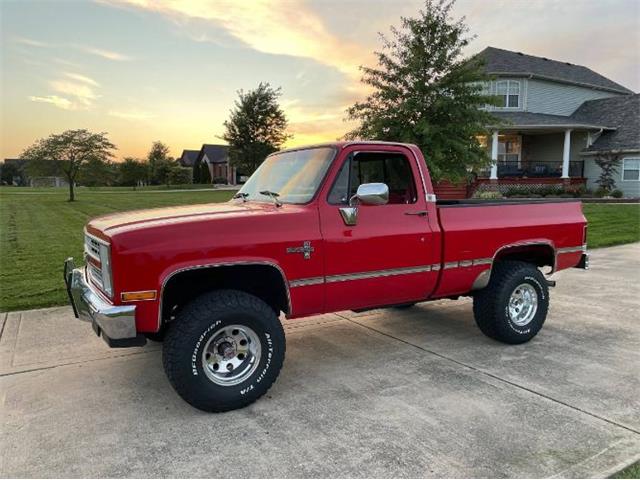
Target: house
554	119
188	158
216	157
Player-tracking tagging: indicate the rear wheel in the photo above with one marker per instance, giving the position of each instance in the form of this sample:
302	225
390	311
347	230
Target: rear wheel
513	307
224	350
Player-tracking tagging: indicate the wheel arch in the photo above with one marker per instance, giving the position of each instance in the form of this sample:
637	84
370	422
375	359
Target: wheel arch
539	252
264	279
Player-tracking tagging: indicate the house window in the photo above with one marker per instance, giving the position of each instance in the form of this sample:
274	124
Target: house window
509	148
508	92
631	169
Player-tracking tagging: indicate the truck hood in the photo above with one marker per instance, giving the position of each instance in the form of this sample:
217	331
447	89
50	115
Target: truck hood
119	222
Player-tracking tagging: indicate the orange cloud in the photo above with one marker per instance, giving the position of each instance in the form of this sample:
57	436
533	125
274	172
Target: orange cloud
270	26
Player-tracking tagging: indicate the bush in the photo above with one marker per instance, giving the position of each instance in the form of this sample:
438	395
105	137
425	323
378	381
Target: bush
487	195
617	194
180	175
601	192
220	180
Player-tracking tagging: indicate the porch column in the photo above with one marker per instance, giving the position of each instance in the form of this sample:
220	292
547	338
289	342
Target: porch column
566	153
494	156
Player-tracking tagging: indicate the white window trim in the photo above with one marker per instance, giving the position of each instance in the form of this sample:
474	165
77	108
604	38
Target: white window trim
622	179
494	88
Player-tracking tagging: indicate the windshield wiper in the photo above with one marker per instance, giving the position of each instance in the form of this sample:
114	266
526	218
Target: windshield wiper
274	195
241	195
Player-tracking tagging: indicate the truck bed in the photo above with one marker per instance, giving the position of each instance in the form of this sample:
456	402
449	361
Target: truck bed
474	232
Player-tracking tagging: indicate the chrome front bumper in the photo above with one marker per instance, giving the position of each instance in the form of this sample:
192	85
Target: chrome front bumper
116	324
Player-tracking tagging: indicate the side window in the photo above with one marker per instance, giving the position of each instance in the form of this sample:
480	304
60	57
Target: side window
390	168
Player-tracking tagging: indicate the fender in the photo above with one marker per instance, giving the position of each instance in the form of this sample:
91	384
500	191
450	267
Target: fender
482	280
222	263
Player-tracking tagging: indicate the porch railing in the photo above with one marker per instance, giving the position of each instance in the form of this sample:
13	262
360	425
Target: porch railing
535	169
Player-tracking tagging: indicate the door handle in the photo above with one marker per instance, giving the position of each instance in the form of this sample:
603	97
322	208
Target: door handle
420	213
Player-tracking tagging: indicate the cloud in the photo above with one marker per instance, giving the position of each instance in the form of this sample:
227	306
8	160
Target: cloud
100	52
30	42
281	27
108	54
82	94
131	114
81	78
59	102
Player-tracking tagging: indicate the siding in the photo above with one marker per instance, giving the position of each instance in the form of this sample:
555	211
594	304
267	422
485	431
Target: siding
558	98
550	146
630	188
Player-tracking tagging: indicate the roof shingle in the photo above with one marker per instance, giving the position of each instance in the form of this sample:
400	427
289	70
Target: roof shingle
503	62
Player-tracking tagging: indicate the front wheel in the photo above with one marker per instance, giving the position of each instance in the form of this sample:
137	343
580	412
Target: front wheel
513	307
224	350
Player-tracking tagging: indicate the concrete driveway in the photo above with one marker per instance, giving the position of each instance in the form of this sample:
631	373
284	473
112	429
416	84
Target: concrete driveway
415	393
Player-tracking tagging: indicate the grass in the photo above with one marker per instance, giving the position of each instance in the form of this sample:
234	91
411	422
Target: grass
39	229
632	471
611	224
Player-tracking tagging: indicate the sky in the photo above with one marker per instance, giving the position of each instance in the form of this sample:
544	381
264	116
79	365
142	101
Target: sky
170	70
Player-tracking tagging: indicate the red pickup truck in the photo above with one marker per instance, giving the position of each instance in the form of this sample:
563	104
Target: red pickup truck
343	226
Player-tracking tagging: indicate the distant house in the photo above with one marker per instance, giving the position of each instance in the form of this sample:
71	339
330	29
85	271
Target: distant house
216	157
188	158
554	118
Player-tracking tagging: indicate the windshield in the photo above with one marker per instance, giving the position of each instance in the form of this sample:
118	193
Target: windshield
294	176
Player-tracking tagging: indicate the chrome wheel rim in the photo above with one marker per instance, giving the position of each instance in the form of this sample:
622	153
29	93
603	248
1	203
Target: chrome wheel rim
231	355
523	304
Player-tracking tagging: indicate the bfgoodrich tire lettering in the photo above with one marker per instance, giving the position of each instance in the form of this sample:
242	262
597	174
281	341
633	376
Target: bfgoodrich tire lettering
501	309
189	339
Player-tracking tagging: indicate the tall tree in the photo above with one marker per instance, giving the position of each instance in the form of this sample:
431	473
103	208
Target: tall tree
425	92
158	159
132	172
66	153
257	127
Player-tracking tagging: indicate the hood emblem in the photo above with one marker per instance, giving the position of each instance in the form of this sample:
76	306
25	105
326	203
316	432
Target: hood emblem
306	249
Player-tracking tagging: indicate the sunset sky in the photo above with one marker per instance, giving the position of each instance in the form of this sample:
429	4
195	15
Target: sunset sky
169	70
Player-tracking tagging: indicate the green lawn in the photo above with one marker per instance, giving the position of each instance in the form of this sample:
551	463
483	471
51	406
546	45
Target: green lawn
632	471
611	224
39	229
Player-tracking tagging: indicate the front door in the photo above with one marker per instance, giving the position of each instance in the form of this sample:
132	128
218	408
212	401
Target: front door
386	257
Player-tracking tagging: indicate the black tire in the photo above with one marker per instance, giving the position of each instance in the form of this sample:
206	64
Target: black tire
491	304
186	338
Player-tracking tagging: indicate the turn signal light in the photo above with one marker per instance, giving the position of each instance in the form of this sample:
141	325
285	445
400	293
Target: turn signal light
136	296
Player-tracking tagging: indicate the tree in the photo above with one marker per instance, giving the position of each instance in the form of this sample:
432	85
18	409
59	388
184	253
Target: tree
158	159
97	172
608	164
425	92
132	172
180	175
9	172
66	153
201	173
257	127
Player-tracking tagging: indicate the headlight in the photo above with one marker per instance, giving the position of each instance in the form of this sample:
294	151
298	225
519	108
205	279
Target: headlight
98	256
105	260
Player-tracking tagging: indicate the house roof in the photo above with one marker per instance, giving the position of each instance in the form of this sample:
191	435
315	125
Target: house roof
505	62
529	120
188	157
215	153
621	113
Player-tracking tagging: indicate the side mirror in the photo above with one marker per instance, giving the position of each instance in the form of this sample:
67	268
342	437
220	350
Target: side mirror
372	194
367	194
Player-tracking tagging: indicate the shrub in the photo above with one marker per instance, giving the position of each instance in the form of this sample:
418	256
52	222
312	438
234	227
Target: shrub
487	195
617	193
601	192
220	180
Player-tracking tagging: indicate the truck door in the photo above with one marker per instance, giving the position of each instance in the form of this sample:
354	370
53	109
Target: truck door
388	256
